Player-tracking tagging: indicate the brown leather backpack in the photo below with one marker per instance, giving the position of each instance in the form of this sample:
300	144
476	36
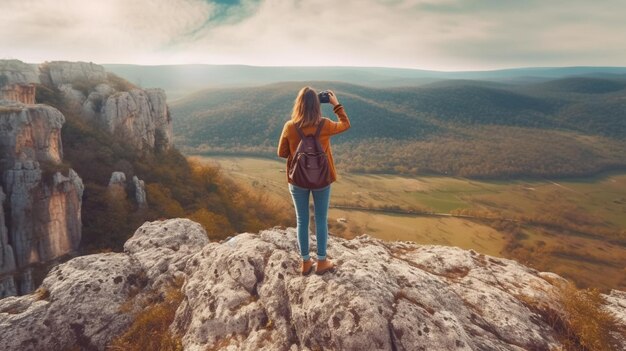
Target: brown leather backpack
309	167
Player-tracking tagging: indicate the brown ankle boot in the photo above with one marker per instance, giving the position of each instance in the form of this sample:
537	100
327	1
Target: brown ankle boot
306	266
324	266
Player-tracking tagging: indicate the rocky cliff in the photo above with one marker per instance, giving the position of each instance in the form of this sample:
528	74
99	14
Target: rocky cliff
247	294
42	210
60	73
43	204
141	115
7	258
18	72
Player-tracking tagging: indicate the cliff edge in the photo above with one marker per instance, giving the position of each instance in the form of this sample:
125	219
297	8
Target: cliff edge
247	294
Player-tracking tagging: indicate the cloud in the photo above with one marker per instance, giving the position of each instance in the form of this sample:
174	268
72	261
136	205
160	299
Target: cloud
104	31
434	34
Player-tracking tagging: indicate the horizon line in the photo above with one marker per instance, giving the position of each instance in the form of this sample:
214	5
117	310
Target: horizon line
338	66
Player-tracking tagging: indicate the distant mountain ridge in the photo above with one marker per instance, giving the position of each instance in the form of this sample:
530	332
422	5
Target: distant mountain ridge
180	80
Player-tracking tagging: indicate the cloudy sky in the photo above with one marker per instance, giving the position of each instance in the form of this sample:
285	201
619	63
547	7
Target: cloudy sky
427	34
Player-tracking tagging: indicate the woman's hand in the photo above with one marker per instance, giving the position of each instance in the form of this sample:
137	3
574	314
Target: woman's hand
332	98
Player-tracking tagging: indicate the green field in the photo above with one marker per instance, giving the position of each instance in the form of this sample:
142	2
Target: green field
578	224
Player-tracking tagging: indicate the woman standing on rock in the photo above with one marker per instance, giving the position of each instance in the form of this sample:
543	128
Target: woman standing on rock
306	119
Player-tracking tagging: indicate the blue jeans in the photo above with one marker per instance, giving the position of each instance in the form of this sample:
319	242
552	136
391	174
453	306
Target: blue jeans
321	200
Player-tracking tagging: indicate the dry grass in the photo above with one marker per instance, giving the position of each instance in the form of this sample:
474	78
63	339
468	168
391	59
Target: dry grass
119	83
41	294
589	324
582	324
150	329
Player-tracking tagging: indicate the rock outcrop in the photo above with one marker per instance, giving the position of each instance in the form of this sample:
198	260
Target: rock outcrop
140	192
140	115
80	300
30	133
24	93
7	258
44	220
45	205
119	185
247	294
59	73
18	72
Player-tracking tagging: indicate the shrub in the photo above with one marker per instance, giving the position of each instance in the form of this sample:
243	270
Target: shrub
86	86
49	169
118	83
49	96
150	328
582	324
216	226
41	294
588	323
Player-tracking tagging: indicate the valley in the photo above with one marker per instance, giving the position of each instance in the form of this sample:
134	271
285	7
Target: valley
477	129
574	227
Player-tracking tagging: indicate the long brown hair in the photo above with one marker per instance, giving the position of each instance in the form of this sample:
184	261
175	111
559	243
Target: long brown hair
306	108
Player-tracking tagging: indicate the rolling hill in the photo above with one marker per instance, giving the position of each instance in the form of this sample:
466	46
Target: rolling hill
564	127
181	80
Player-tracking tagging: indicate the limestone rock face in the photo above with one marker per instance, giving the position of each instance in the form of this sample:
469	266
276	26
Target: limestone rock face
140	192
247	294
57	73
30	133
18	72
82	303
45	220
7	259
140	114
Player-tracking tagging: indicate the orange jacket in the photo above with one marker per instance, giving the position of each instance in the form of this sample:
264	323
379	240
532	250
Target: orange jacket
289	139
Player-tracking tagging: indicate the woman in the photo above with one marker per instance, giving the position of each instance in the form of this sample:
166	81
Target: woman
307	115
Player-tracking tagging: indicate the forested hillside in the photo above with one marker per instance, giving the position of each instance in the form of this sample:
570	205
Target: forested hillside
564	127
181	80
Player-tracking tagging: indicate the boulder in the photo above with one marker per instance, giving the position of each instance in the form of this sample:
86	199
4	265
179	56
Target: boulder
117	179
163	248
81	302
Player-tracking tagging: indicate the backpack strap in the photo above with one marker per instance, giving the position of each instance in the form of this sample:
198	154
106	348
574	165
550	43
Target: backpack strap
317	132
299	131
319	129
